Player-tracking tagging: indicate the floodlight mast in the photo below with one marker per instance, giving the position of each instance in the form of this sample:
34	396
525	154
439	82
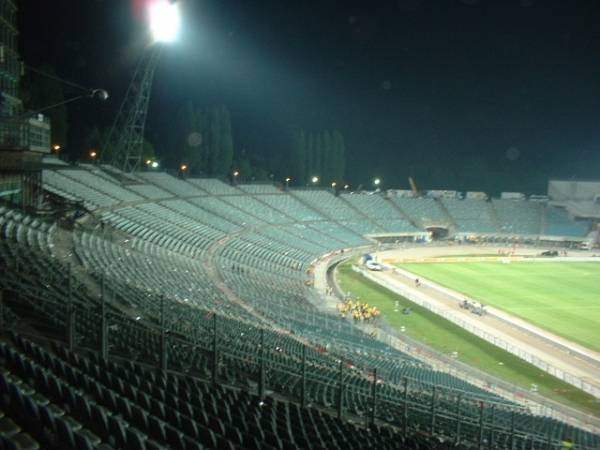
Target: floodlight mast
126	138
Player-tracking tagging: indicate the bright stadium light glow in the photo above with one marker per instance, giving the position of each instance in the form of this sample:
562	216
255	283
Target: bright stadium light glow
164	20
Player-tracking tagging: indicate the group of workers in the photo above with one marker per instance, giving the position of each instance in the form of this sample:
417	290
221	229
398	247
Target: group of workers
358	310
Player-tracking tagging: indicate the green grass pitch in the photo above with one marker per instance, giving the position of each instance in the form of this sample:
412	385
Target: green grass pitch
561	297
473	279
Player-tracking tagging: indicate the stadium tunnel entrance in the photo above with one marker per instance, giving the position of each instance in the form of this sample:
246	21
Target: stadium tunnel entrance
438	233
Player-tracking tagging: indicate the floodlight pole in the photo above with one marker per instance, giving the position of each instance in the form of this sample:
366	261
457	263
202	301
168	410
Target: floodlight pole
126	139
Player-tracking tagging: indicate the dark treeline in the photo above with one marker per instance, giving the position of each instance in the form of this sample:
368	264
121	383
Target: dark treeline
318	155
203	141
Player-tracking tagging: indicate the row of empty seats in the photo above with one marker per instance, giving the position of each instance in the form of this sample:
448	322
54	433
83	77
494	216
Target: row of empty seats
265	204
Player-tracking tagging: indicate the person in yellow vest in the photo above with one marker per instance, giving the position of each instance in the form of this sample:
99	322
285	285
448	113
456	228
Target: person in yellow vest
567	444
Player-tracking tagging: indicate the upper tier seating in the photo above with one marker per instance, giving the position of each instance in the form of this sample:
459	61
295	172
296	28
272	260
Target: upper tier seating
422	211
470	215
518	217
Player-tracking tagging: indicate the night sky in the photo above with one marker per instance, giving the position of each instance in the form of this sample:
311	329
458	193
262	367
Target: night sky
493	95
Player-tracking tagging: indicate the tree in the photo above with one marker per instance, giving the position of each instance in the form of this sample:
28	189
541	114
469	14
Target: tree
222	140
299	157
318	159
320	154
205	139
337	156
326	157
190	138
310	157
94	141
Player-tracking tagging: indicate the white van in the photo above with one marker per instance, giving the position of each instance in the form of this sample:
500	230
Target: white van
372	265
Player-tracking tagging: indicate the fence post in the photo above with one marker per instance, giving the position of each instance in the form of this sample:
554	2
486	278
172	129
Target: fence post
405	406
70	312
492	428
163	335
103	322
261	373
457	441
512	430
481	426
215	365
374	406
433	410
341	392
303	393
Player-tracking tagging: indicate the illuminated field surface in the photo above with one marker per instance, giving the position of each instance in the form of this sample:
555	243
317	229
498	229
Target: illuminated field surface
446	337
561	297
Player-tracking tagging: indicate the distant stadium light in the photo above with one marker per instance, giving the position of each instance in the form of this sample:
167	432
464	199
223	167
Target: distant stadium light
164	20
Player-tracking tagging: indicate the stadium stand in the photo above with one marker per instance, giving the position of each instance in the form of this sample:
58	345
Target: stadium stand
292	207
471	215
422	211
375	207
181	317
256	189
518	217
382	213
558	224
329	205
213	186
170	184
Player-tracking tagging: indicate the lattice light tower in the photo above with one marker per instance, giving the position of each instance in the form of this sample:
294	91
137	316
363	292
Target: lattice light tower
126	138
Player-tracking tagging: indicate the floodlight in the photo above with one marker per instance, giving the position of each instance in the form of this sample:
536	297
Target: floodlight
164	20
